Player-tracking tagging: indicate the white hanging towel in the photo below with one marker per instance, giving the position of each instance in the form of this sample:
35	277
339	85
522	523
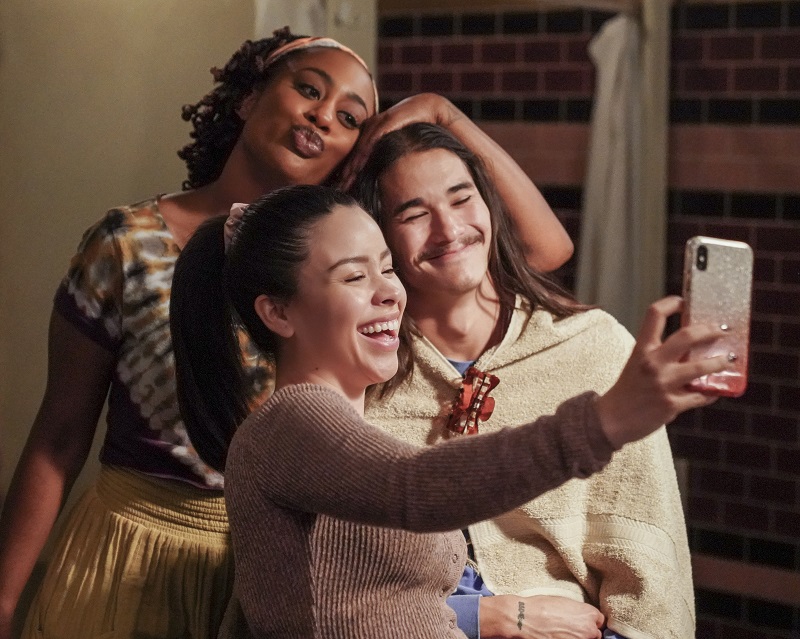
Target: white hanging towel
609	263
304	17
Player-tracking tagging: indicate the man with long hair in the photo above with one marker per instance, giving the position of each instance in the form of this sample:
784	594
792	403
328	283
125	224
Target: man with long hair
491	343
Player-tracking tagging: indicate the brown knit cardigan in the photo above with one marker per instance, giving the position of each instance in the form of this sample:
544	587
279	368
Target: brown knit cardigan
341	531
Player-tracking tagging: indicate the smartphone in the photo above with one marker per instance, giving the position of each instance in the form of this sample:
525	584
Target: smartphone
717	289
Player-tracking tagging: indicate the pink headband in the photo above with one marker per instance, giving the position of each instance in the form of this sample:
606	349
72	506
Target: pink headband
310	42
232	223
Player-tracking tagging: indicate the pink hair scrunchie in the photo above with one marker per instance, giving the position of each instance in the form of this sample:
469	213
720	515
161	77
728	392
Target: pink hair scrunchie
233	221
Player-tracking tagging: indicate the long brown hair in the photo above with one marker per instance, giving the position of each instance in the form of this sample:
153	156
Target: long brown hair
508	266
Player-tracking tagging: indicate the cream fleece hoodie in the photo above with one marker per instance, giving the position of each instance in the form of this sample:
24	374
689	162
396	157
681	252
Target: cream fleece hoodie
617	539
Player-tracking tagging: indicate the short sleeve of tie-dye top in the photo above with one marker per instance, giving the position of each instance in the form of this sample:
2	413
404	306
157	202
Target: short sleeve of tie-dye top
90	296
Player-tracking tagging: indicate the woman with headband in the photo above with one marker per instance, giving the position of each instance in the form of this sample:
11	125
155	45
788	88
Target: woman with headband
145	553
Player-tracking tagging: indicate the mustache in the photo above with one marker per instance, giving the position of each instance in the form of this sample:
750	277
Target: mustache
451	247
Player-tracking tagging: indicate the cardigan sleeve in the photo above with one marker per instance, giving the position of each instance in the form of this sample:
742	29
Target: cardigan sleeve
308	450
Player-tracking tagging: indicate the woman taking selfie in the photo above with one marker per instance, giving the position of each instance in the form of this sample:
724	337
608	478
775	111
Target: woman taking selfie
285	110
325	509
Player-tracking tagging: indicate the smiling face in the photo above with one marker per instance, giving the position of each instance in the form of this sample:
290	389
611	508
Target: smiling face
439	226
305	121
345	316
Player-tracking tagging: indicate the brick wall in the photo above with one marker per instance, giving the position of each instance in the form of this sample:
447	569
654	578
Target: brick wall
734	171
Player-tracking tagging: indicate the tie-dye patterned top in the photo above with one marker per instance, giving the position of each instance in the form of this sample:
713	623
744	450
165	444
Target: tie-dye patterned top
117	292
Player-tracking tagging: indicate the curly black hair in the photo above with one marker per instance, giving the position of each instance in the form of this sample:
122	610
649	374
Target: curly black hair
216	125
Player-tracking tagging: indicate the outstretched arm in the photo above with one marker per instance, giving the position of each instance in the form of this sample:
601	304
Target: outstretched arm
302	460
546	241
77	382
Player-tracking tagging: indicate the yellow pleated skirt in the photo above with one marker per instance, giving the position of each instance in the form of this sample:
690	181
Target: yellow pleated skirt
139	558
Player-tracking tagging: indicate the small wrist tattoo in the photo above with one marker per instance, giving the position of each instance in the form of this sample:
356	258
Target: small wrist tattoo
521	615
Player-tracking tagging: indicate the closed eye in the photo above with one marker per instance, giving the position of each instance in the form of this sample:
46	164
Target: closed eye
413	216
463	200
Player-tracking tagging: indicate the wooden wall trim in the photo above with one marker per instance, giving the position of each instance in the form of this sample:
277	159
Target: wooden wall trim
493	6
748	580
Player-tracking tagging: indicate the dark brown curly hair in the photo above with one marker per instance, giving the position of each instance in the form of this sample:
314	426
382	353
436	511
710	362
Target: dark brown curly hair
216	125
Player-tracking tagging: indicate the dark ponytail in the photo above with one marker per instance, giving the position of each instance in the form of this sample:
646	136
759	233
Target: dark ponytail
213	303
212	393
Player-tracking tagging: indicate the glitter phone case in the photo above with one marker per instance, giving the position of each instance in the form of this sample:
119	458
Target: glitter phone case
717	286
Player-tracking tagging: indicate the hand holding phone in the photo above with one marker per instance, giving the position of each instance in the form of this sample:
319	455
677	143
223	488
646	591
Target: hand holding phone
717	289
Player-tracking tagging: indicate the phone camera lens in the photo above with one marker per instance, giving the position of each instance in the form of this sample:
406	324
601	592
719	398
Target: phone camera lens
702	258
